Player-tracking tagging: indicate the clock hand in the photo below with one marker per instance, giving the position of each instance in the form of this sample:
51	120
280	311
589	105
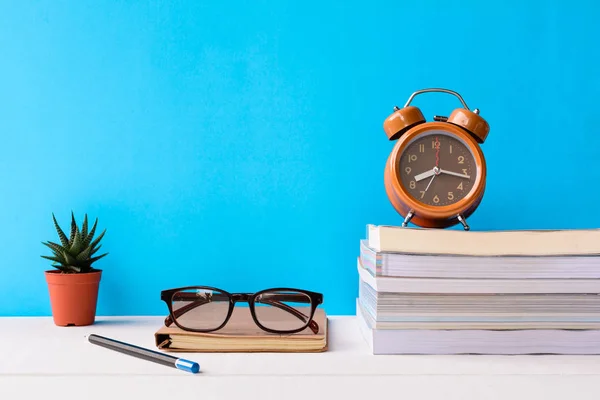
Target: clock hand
437	152
429	184
443	171
424	175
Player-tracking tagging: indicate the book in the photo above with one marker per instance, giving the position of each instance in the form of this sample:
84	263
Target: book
385	238
438	285
486	311
241	334
475	324
479	341
395	264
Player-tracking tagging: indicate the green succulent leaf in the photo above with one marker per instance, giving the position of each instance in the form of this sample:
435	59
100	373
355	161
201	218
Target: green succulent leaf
77	245
84	228
94	259
60	257
61	234
97	240
70	259
62	268
73	268
84	255
55	246
95	250
73	228
55	259
90	235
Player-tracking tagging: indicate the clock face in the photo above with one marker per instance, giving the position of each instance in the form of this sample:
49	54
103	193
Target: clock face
437	169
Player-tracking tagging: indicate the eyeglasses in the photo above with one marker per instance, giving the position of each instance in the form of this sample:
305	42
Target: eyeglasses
276	310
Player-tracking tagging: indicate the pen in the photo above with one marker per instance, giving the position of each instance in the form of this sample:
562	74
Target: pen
146	354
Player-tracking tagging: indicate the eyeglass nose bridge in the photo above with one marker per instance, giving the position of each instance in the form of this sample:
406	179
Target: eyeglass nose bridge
240	297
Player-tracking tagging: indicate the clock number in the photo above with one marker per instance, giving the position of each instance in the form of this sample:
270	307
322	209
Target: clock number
407	169
465	171
421	148
461	160
412	157
450	149
433	146
460	187
436	199
451	195
422	193
413	184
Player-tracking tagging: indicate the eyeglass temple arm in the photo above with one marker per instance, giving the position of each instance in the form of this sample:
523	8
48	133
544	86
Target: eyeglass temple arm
198	301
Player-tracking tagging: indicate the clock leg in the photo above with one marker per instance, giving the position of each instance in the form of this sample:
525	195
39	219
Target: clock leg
463	222
408	218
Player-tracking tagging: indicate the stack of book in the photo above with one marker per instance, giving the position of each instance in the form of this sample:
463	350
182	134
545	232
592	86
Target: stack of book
443	291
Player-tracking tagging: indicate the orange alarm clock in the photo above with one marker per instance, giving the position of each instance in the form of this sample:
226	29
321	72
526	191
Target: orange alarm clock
435	175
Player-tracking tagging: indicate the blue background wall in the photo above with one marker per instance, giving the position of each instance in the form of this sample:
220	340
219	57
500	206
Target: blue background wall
241	145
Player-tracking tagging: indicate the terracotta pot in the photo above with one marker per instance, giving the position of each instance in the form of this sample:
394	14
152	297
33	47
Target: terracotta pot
73	297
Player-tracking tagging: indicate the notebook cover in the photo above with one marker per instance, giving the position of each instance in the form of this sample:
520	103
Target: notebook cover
241	334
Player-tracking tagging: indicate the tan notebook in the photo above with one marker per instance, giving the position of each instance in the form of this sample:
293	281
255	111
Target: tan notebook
241	334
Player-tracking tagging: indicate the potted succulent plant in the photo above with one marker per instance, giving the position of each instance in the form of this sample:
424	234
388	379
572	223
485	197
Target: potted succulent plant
73	285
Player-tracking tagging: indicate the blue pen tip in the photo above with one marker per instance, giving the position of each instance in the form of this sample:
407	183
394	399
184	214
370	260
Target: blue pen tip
186	365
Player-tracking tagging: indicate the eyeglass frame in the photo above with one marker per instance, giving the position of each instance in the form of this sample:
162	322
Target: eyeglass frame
316	299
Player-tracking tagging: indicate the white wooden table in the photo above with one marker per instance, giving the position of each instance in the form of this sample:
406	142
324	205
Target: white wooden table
41	360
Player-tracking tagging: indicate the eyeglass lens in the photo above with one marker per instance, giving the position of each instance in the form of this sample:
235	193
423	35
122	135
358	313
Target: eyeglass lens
200	308
282	310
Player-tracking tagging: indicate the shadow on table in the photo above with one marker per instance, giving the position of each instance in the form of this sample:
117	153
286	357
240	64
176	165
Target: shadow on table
123	322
